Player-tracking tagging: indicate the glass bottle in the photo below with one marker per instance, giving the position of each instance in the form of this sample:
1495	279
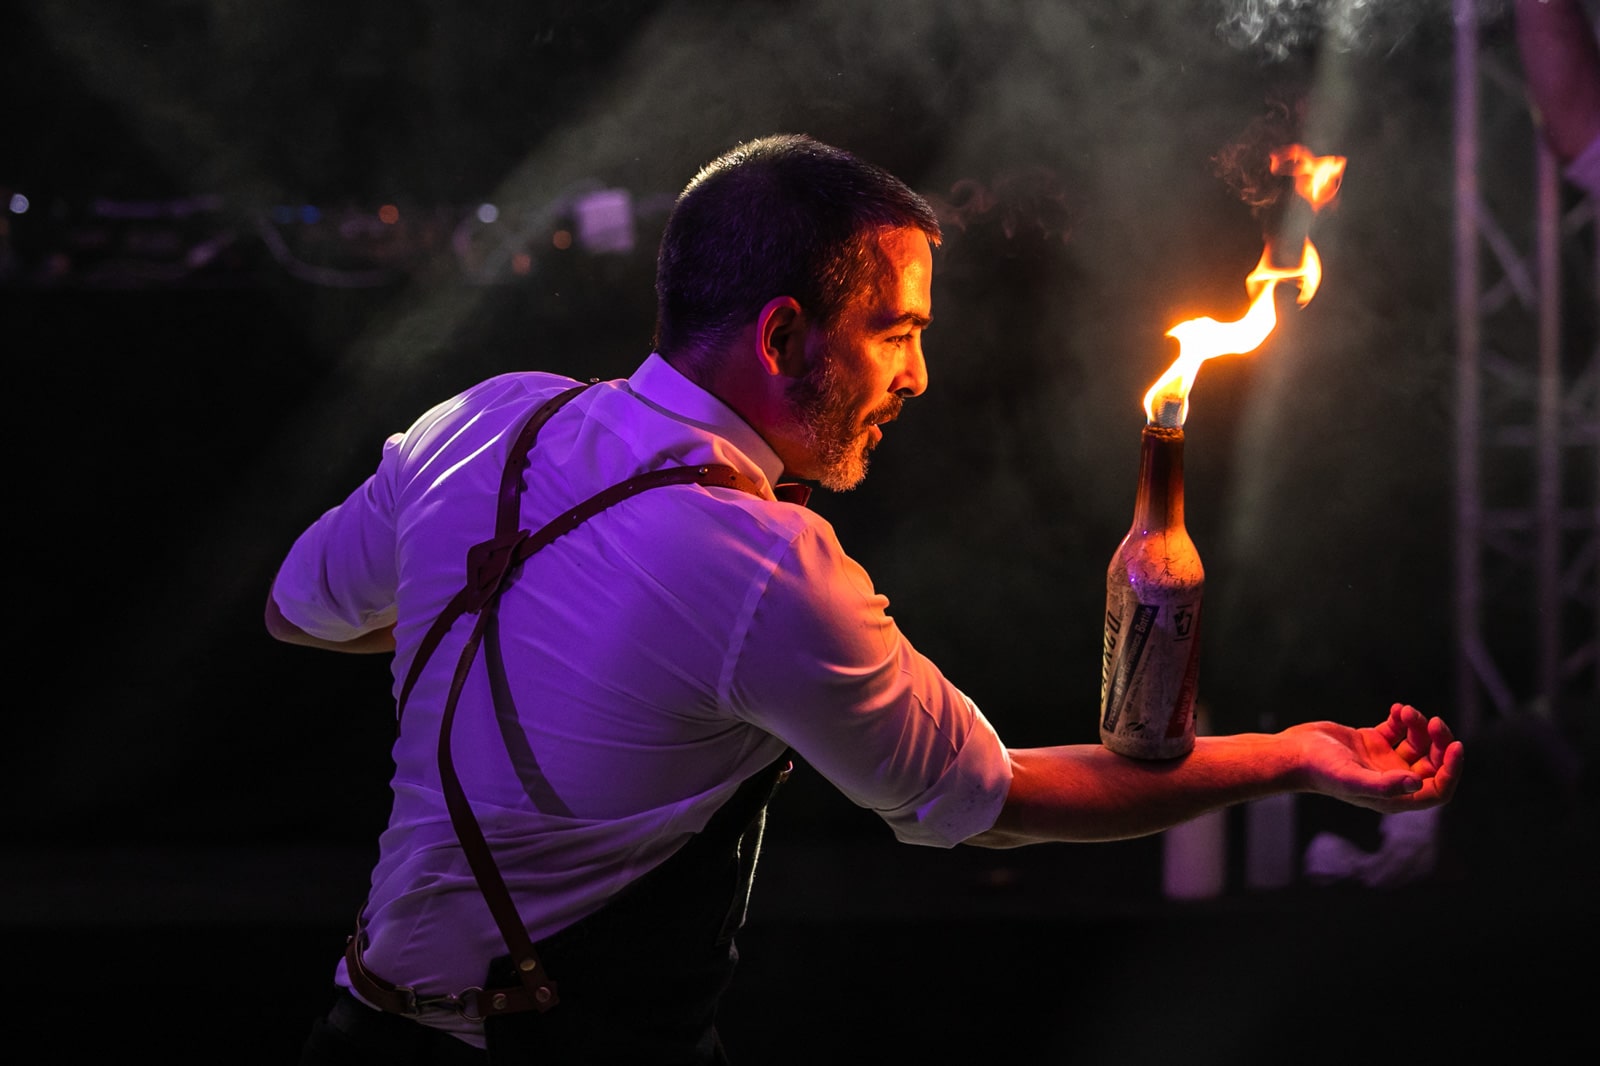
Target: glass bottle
1151	653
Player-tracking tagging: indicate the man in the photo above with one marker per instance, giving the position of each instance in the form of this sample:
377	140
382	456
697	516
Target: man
645	672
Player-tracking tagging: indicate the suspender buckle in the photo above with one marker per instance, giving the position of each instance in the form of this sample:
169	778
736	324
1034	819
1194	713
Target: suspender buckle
487	566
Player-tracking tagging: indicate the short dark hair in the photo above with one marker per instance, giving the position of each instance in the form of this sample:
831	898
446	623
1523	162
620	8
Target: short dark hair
780	216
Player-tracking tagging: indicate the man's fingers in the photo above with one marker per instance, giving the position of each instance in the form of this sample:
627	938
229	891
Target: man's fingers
1392	729
1439	786
1439	740
1406	731
1449	772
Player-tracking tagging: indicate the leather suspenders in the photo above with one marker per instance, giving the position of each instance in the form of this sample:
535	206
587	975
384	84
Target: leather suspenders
490	565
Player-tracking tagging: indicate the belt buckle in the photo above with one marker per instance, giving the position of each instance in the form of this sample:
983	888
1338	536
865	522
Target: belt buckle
464	1003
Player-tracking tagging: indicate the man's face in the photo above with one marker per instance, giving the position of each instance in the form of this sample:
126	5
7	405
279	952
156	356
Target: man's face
860	371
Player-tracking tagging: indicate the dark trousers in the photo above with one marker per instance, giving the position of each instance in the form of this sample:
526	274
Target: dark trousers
353	1034
639	983
639	980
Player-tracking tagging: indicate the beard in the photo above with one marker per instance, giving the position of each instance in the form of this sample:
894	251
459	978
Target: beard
835	434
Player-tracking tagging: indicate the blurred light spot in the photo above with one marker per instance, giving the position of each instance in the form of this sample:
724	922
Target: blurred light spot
389	214
605	221
561	239
311	214
521	263
19	204
487	213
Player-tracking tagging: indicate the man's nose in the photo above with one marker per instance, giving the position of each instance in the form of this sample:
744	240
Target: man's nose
913	377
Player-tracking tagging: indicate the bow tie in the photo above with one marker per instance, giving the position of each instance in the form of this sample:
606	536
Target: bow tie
792	492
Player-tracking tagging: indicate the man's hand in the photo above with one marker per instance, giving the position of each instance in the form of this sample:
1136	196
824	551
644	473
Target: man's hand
1408	762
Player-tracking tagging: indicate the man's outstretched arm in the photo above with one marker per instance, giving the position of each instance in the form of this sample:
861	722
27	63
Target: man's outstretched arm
1085	792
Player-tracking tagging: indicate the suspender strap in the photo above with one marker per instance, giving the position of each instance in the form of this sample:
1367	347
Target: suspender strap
488	563
510	481
489	568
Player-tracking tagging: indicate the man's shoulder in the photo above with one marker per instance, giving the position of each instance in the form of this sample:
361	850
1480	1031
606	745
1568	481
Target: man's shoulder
508	394
515	385
775	536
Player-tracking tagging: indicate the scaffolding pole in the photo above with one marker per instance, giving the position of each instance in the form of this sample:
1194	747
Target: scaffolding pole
1544	548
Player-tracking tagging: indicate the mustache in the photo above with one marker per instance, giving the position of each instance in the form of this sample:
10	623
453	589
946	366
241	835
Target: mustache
887	411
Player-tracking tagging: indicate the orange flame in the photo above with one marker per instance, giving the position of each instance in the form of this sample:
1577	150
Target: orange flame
1205	338
1317	179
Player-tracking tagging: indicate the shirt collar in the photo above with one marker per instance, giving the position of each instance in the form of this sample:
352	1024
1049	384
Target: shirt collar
660	384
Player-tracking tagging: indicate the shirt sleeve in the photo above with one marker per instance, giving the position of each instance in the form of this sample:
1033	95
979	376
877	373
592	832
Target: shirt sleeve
824	667
339	579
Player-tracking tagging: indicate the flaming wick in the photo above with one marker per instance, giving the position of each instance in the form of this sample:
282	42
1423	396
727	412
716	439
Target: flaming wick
1199	339
1317	179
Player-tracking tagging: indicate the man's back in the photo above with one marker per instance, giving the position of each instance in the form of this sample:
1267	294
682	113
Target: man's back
648	661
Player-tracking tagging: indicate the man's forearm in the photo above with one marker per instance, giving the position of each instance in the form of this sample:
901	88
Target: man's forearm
1085	792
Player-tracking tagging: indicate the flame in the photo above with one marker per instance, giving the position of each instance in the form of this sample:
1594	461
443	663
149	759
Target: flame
1205	338
1316	177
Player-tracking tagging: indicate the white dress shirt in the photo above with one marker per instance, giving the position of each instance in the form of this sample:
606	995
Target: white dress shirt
658	655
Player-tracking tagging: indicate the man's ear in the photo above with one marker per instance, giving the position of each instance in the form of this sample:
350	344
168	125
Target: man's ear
781	337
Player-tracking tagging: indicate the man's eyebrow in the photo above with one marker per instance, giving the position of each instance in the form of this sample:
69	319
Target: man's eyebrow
906	318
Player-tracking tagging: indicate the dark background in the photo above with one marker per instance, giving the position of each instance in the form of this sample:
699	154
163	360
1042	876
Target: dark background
212	332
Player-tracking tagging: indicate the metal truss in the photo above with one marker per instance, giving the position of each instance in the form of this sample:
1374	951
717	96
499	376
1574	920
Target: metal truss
1527	515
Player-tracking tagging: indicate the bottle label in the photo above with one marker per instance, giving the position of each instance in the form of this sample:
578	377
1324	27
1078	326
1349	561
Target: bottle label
1150	668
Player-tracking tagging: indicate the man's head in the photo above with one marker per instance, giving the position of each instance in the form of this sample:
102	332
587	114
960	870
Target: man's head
792	239
779	216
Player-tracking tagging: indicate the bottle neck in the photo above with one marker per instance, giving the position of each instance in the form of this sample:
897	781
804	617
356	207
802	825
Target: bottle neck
1160	501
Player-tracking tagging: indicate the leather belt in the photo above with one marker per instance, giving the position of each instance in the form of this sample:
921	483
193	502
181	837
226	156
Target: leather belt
472	1003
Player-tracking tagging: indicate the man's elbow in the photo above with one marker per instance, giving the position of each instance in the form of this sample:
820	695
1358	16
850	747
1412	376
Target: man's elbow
998	840
279	627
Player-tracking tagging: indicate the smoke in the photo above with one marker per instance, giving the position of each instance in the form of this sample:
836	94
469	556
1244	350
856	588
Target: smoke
1245	164
1028	203
1279	29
